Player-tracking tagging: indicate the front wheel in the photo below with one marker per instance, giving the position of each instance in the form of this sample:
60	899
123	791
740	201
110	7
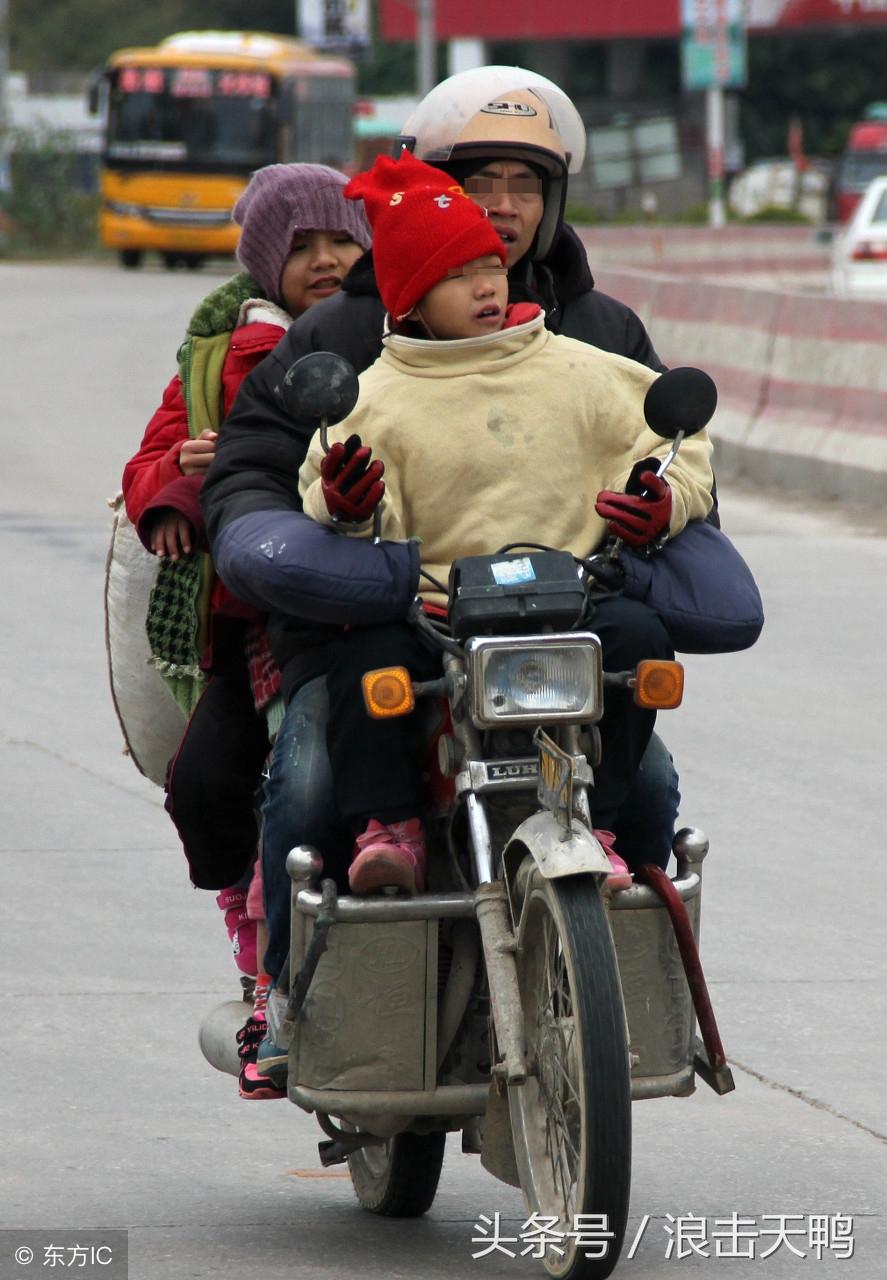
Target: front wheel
571	1120
399	1178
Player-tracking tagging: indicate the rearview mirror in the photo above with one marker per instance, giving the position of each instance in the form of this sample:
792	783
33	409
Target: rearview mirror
320	389
680	403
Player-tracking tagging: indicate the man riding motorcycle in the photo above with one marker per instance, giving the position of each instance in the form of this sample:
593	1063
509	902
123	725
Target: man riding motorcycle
511	137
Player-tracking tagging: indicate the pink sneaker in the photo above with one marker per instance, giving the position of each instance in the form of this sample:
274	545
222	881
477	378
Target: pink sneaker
241	930
391	856
250	1082
620	877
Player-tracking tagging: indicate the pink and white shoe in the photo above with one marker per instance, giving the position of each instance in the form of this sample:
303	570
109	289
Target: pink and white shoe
241	930
251	1083
620	877
391	856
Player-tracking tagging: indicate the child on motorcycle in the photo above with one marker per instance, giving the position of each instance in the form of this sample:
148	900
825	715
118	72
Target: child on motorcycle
490	430
298	240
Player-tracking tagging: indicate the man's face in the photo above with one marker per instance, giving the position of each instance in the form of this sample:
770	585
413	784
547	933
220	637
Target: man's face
511	193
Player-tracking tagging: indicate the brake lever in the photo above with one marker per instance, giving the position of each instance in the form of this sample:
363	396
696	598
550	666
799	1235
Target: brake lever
337	519
607	563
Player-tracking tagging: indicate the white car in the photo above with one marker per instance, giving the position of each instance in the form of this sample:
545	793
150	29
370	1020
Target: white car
859	255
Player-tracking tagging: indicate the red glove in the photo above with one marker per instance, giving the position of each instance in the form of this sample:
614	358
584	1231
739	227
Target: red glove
352	486
643	512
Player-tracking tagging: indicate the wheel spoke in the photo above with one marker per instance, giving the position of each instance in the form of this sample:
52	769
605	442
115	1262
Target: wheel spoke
573	1155
554	1034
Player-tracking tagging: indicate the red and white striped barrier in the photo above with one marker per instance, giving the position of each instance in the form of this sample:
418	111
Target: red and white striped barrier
802	380
763	255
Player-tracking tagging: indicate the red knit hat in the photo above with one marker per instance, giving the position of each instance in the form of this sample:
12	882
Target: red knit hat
423	226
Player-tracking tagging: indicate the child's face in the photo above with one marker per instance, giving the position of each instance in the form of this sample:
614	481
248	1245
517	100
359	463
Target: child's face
470	302
316	267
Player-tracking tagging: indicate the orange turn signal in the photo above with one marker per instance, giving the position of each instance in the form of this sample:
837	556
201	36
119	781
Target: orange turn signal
658	685
388	691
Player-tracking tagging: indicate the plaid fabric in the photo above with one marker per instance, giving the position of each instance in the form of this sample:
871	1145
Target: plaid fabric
264	676
173	628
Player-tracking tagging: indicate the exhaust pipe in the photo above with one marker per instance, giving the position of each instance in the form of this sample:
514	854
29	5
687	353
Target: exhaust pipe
218	1035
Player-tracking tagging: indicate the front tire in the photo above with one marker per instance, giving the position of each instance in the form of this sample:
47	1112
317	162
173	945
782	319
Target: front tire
131	259
571	1120
398	1179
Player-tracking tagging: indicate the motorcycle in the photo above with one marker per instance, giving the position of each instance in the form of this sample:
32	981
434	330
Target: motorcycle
520	1000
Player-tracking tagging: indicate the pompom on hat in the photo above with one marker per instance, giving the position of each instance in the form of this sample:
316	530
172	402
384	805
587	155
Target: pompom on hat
283	200
424	226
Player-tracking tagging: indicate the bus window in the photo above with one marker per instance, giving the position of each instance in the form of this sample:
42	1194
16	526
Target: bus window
193	118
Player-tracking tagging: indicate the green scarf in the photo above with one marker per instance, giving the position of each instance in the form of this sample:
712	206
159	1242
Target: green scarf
178	610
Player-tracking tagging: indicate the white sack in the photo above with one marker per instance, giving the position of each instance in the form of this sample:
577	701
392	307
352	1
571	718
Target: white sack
150	718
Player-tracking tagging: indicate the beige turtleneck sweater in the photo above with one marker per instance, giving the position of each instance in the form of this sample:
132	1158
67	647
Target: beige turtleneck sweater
505	438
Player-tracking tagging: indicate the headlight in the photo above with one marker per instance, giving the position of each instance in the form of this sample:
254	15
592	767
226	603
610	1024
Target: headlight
535	679
123	210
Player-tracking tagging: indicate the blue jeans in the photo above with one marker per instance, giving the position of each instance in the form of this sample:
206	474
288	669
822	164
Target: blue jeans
646	821
298	809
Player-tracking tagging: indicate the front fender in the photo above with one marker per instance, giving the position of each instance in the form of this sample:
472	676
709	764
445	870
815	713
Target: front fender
542	836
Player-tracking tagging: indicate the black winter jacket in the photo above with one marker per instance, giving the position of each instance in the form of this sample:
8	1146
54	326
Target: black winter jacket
261	448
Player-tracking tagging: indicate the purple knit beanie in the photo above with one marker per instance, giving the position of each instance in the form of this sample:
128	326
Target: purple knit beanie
283	199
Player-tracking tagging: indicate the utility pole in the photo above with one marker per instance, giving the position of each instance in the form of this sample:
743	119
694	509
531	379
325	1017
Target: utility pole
714	139
426	76
5	120
713	58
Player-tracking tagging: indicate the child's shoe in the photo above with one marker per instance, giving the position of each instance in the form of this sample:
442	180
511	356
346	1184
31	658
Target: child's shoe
241	930
389	856
251	1082
620	877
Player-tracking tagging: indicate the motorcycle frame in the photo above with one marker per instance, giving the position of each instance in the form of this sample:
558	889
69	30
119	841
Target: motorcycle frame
492	904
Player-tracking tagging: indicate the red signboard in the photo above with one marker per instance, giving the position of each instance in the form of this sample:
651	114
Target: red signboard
528	19
783	14
611	19
194	82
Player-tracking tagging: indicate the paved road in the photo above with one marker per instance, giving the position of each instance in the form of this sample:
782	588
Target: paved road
110	1116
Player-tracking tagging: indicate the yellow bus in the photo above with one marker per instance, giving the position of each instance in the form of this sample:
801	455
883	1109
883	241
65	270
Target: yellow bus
188	121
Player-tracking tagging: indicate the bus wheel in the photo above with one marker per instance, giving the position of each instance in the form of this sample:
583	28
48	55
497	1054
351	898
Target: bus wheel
131	258
193	261
171	260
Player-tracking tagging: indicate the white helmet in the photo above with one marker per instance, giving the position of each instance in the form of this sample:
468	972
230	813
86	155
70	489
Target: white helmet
501	113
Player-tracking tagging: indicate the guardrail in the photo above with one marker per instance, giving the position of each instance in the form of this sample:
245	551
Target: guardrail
802	380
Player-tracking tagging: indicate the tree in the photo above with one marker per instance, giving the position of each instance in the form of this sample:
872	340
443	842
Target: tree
825	80
77	35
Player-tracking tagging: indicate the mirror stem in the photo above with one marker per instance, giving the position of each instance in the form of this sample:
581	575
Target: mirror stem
670	456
